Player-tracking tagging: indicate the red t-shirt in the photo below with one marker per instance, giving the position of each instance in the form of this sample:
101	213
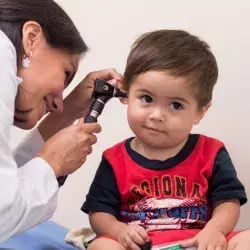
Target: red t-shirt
174	198
171	199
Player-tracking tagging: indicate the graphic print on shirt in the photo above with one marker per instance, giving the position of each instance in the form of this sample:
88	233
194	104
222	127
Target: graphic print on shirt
154	212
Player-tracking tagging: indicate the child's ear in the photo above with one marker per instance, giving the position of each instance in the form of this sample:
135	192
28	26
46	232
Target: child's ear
201	112
124	100
123	89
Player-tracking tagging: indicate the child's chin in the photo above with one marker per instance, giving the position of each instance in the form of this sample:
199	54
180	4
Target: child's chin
154	142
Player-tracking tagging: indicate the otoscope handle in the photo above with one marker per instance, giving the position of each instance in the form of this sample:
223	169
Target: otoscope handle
90	119
61	180
94	111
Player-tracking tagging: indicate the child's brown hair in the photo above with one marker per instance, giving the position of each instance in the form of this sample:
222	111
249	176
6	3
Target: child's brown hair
178	52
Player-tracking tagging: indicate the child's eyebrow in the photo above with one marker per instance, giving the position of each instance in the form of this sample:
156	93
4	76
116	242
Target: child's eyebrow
174	98
177	98
145	91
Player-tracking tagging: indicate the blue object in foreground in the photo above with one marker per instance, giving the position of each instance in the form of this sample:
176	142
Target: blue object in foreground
46	236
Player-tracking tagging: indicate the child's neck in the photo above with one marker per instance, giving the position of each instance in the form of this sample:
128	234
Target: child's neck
155	153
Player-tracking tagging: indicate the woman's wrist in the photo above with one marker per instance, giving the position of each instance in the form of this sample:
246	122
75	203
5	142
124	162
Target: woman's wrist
52	164
53	123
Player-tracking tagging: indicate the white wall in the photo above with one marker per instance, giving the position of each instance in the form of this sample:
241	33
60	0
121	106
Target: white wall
109	28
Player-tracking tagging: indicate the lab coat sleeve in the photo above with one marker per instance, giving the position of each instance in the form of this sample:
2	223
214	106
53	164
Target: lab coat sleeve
28	195
28	147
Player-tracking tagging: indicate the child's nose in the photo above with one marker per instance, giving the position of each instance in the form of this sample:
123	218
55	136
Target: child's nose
157	115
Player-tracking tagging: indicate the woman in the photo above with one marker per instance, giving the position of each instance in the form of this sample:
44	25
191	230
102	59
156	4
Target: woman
40	50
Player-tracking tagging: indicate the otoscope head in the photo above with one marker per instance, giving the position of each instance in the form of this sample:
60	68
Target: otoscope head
103	92
119	93
103	88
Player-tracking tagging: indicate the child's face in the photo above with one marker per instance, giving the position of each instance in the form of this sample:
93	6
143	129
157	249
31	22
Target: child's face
162	109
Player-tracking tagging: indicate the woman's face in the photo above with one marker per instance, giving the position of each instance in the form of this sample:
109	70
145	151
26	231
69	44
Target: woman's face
50	72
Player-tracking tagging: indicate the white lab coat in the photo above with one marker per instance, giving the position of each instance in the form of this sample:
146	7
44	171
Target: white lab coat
28	186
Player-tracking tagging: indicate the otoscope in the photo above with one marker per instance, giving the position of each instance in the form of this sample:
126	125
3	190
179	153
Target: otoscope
103	92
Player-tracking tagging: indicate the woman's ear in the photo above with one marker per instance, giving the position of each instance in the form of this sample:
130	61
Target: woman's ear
32	33
201	112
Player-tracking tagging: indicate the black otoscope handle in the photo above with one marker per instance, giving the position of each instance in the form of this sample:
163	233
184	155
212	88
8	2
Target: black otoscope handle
61	180
90	119
87	119
95	110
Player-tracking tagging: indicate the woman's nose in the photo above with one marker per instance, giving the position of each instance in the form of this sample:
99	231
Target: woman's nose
57	105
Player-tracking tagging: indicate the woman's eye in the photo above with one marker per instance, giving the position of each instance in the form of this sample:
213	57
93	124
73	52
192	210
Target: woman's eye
176	106
146	99
67	77
67	74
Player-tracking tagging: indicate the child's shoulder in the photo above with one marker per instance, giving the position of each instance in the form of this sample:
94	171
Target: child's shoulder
118	146
208	140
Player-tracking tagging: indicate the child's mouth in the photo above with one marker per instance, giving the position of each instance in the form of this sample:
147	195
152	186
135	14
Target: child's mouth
154	130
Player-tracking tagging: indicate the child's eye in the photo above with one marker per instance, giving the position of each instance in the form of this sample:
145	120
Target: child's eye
176	106
146	99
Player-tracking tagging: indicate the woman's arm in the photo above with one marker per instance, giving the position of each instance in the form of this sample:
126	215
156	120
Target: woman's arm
76	104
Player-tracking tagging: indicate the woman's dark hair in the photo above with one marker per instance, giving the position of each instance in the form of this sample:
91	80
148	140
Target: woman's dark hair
57	26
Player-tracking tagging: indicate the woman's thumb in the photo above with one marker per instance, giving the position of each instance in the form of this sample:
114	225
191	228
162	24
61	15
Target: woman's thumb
188	243
80	122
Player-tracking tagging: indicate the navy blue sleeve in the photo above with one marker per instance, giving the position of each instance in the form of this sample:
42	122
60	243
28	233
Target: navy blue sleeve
224	183
103	195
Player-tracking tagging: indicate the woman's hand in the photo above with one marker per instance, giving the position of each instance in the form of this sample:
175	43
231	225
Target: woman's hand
67	150
77	103
80	98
